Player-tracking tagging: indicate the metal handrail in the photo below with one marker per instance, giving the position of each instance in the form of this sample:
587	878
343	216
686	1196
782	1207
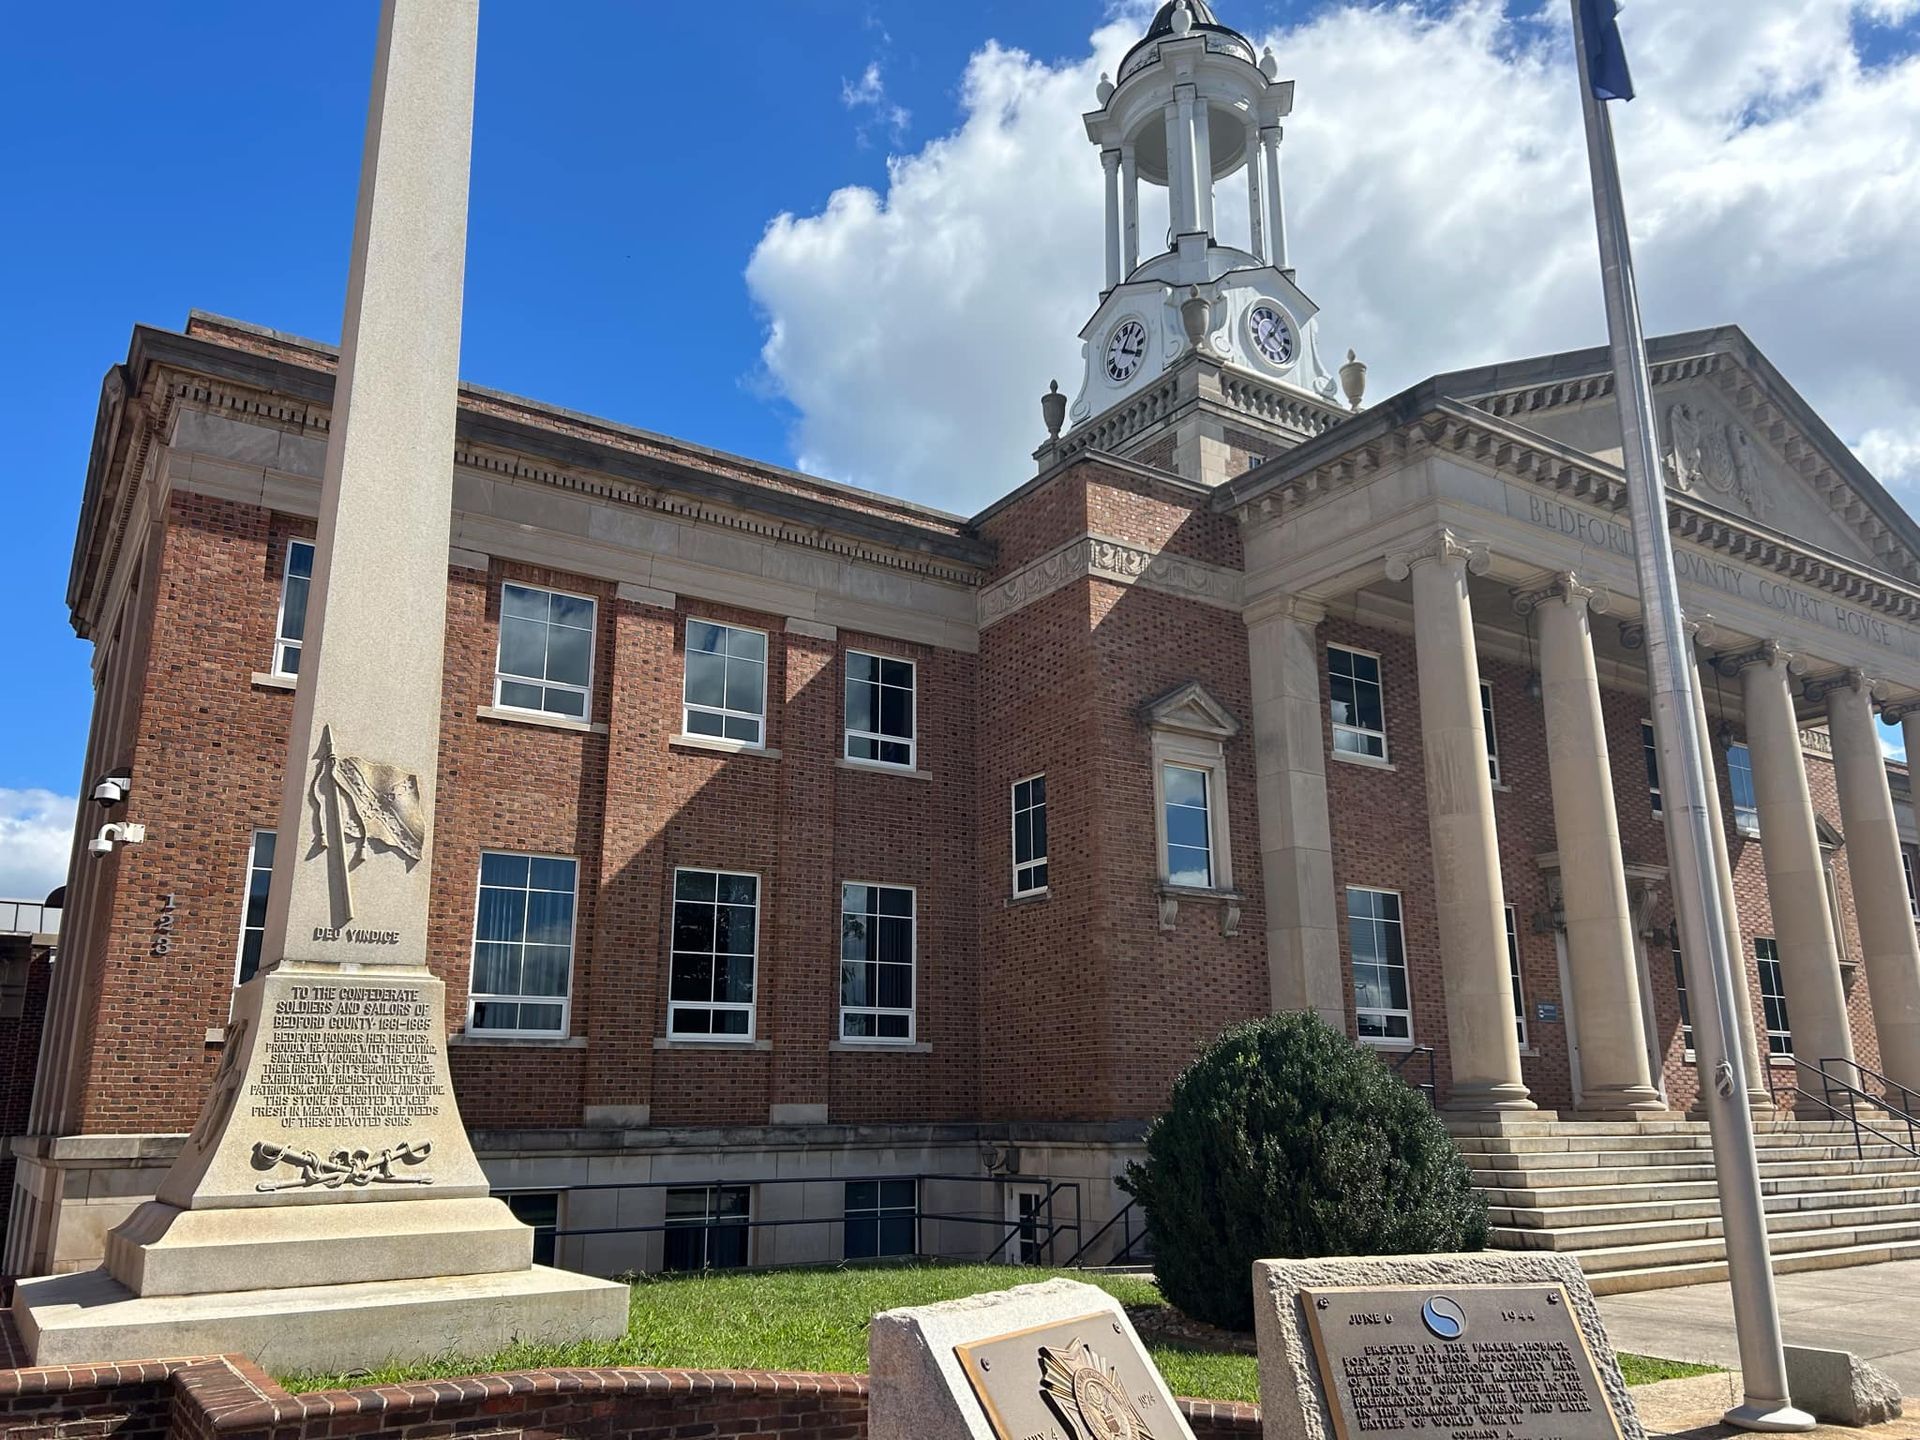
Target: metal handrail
1122	1217
1425	1087
1905	1110
1830	1085
1052	1229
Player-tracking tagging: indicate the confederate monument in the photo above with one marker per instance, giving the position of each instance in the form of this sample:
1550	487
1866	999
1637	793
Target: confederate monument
329	1162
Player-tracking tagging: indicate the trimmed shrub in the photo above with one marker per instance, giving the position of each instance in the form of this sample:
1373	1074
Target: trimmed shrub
1286	1140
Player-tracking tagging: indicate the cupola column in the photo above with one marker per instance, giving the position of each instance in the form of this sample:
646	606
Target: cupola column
1179	189
1203	166
1130	210
1256	222
1276	212
1110	161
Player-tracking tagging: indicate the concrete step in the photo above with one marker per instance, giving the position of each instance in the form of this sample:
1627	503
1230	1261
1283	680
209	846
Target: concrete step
1612	1234
1655	1208
1691	1155
1703	1272
1517	1191
1656	1174
1606	1258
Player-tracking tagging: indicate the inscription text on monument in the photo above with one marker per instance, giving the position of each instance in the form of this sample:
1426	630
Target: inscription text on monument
348	1057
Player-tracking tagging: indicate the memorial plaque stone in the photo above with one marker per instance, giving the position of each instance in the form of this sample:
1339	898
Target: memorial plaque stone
1436	1347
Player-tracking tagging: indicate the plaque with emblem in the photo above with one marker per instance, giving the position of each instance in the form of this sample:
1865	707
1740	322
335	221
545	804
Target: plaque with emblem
1456	1362
1080	1379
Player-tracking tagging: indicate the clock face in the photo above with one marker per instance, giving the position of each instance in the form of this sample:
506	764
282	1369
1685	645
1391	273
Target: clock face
1272	335
1126	349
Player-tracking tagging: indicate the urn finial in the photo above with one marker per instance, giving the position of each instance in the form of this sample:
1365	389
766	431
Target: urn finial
1353	379
1053	409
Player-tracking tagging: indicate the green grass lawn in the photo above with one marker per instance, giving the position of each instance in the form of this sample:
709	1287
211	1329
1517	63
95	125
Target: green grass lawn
817	1320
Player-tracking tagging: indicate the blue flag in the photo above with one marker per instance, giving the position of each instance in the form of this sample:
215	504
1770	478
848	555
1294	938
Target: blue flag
1606	56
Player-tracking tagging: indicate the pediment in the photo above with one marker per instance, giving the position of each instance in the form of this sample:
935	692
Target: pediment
1734	436
1190	710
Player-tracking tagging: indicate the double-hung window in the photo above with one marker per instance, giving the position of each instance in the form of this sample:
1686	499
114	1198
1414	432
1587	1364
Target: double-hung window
876	962
1030	835
1358	707
546	651
253	920
707	1227
716	944
1680	990
291	627
880	728
1383	1009
1652	753
1773	999
1513	972
1913	892
724	695
881	1217
1493	736
1746	805
1186	795
522	945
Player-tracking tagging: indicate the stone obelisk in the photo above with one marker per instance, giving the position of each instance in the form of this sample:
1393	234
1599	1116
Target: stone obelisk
327	1209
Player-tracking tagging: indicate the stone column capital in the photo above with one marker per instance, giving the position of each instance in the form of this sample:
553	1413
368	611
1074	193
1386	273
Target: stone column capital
1444	546
1771	653
1184	96
1852	678
1110	159
1895	713
1567	587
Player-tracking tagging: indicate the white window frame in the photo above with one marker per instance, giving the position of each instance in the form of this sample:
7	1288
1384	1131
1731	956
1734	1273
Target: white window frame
1388	1042
246	894
1513	972
687	707
281	644
1913	891
1493	736
912	1010
877	1214
478	998
593	641
1650	760
1194	752
1206	811
1340	727
1682	994
1746	818
1032	862
752	1007
1762	959
848	734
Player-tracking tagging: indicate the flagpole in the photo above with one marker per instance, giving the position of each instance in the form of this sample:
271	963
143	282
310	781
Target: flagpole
1672	676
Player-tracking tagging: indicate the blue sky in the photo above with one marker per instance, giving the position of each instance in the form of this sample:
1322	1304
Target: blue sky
630	158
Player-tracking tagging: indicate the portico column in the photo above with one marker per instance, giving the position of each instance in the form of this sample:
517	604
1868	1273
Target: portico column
1110	161
1276	211
1699	980
1790	848
1256	227
1129	209
1616	1080
1484	1050
1296	834
1879	886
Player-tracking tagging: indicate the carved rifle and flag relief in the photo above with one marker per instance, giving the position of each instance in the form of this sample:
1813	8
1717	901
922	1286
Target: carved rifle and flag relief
358	803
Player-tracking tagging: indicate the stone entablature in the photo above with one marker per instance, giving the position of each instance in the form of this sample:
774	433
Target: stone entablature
1115	560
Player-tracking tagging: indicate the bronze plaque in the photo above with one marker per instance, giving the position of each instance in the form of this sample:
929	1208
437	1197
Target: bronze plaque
1083	1379
1456	1362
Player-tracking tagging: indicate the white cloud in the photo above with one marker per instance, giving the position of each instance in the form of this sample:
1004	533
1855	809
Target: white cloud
36	835
869	94
1438	211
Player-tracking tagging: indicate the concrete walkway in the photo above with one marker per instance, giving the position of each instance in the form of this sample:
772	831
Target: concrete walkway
1872	1310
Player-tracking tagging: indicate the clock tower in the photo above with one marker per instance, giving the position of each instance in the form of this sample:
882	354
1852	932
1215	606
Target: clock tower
1201	358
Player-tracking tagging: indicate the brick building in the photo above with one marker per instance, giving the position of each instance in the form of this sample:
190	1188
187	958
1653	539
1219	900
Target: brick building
816	858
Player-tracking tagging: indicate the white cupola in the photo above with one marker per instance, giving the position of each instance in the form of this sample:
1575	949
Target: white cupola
1191	107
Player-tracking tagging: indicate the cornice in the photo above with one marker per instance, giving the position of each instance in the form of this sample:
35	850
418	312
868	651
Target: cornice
1458	429
1102	558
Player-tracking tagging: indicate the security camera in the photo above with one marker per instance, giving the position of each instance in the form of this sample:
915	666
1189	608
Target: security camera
113	789
125	833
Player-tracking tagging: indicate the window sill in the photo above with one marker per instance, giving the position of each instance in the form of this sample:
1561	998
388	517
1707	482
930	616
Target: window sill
1365	762
880	1047
1393	1047
1784	1061
1229	902
1501	788
875	767
1030	897
518	1042
263	681
721	747
534	717
216	1035
682	1042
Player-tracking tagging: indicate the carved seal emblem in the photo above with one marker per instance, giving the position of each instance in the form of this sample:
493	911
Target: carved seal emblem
1087	1393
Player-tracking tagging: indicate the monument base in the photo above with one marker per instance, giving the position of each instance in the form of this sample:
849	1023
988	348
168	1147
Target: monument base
91	1318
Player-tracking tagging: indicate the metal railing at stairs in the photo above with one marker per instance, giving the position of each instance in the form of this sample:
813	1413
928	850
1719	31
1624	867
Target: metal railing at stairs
1132	1249
1857	1106
1399	1067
